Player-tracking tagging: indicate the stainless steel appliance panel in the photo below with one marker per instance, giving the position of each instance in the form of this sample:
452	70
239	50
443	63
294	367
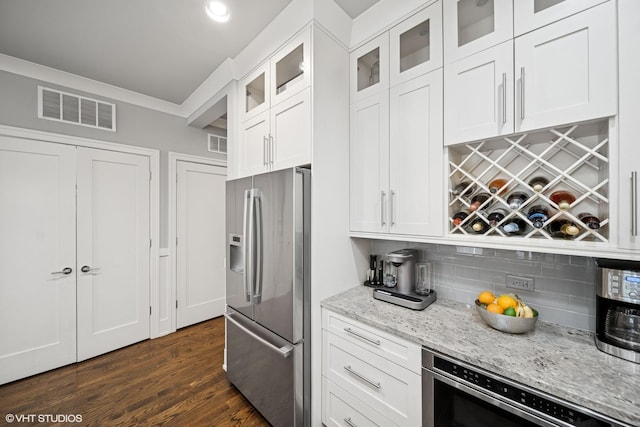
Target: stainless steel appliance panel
238	292
279	290
264	367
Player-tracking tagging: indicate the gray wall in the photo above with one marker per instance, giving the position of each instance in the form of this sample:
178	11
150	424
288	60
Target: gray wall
135	126
565	286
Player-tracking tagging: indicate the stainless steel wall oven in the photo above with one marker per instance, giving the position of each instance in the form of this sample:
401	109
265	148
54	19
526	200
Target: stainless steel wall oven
461	395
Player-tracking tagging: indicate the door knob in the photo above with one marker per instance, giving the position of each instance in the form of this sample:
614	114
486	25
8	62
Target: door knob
66	270
87	269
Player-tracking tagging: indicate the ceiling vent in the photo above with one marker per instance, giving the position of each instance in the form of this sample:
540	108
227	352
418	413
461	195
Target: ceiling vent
217	144
66	107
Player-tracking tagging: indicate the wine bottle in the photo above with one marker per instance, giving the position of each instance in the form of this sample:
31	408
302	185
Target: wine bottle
538	215
516	199
498	185
479	226
496	215
463	189
591	221
514	226
563	228
538	183
563	199
458	217
478	200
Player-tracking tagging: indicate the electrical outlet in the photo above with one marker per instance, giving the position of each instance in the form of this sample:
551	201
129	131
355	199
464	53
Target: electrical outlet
523	283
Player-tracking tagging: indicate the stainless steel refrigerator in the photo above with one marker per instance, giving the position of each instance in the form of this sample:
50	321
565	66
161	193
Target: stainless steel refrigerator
268	278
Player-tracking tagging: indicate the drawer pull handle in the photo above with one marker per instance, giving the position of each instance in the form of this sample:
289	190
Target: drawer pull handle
362	377
352	332
349	422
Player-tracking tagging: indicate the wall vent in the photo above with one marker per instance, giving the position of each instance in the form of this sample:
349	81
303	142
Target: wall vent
217	144
69	108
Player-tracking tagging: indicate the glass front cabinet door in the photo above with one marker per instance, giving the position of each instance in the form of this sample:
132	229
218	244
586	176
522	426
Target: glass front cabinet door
529	15
415	45
474	25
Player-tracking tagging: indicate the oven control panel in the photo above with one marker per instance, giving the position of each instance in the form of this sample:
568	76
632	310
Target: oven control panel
516	394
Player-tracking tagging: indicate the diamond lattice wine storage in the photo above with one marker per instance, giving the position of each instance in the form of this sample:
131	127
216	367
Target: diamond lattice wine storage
576	160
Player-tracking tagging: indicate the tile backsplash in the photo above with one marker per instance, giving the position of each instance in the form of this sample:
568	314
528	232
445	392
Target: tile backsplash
565	286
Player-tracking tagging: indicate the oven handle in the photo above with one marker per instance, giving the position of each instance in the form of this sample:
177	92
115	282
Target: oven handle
428	377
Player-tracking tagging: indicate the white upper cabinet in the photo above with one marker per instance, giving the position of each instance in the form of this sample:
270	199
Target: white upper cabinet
566	72
291	68
275	124
369	68
369	164
562	73
479	95
474	25
529	15
415	45
629	149
415	156
256	95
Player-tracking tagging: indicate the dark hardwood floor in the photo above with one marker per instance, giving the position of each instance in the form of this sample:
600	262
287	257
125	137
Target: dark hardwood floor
175	380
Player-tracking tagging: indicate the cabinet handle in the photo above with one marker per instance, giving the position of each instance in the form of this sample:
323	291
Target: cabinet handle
349	422
393	194
272	151
382	196
65	271
375	384
634	203
357	334
522	93
265	141
504	98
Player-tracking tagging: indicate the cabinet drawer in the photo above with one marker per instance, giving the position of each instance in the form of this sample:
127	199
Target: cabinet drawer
394	391
340	408
392	348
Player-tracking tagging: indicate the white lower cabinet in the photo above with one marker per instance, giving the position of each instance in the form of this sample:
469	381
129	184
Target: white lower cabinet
369	377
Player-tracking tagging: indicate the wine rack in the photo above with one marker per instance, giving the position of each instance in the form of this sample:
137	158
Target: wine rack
573	158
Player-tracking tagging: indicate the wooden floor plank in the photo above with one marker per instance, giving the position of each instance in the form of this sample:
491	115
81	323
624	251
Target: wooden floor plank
174	380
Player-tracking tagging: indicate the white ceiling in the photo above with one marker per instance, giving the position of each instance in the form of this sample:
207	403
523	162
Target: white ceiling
161	48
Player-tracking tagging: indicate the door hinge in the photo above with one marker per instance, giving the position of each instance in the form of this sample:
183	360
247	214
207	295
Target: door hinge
149	175
149	310
176	303
150	243
176	240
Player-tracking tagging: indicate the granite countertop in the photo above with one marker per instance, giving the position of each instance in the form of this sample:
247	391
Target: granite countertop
557	360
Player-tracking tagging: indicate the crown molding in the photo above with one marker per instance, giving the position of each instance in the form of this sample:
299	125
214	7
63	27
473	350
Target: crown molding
68	80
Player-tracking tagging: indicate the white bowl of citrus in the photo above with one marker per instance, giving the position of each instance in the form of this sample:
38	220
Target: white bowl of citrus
506	312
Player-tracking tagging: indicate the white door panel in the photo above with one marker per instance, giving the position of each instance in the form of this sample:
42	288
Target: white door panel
291	131
37	225
113	240
415	156
200	216
369	164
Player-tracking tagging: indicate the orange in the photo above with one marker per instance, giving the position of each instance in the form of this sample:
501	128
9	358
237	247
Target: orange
505	301
495	308
486	297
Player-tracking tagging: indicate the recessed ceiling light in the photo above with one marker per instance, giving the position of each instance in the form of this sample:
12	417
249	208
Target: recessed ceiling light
217	11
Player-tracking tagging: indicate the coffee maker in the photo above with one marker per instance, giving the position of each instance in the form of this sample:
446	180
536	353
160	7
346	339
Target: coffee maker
618	308
404	293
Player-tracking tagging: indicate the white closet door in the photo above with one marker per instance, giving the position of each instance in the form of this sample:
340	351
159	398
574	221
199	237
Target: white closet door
37	225
200	216
113	242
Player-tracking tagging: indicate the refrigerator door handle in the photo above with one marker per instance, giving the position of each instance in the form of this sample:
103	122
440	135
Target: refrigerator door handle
284	351
257	292
248	244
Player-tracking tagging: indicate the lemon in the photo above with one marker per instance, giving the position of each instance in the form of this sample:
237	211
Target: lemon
486	297
505	301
